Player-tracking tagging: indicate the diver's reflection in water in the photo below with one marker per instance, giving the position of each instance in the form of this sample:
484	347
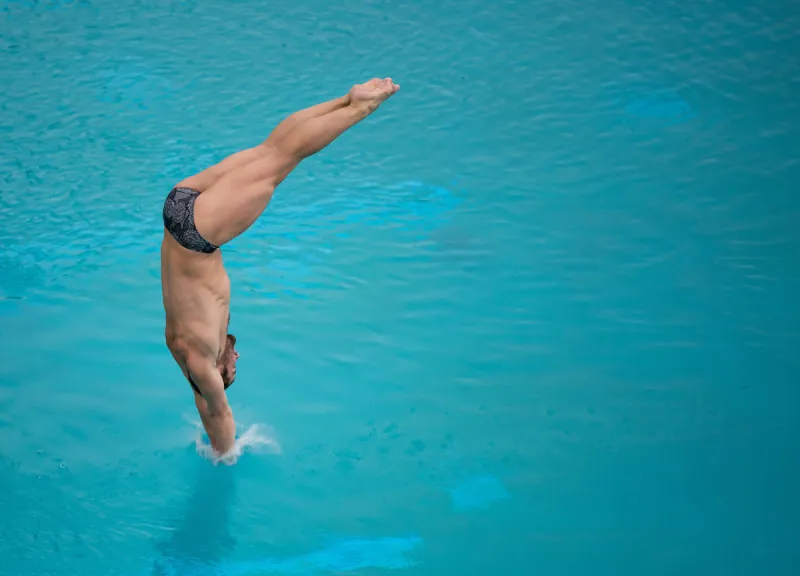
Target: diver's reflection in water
202	537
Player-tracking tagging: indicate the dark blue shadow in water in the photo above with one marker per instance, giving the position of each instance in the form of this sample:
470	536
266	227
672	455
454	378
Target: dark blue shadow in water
201	541
663	106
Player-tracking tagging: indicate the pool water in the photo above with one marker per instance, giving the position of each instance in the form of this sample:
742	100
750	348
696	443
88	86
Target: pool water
533	317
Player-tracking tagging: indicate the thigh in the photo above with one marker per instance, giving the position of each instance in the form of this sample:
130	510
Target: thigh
239	197
204	180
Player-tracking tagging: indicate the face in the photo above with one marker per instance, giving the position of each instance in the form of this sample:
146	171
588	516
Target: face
229	358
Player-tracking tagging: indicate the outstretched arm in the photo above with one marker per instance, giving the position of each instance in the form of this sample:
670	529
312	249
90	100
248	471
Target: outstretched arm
213	404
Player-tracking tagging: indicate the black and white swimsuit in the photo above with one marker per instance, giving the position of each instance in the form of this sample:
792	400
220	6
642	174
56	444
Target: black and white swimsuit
179	220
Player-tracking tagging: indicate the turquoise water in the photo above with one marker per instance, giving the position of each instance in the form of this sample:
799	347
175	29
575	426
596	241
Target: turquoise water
534	317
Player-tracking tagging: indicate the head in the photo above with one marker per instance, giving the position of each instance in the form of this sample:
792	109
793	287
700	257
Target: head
227	362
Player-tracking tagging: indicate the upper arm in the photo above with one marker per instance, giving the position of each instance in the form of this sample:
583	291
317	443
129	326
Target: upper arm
208	380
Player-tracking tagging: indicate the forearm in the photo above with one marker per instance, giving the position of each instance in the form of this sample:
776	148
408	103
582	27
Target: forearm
221	430
214	411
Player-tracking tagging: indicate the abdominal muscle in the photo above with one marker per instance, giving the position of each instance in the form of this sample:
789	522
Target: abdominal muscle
196	292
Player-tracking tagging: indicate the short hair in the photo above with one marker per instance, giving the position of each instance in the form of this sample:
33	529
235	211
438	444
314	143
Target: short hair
230	342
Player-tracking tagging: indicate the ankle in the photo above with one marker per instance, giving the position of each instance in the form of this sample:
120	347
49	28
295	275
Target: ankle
363	107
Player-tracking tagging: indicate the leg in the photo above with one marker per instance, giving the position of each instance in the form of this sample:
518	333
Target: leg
204	180
239	197
315	134
208	177
291	122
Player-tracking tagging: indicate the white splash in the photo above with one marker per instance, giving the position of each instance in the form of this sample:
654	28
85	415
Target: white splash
254	439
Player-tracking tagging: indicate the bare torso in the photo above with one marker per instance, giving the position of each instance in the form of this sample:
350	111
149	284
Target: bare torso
196	292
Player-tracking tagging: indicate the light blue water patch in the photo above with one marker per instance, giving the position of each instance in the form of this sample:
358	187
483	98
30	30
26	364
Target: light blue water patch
342	556
278	271
410	205
131	85
290	273
478	493
302	234
45	256
186	158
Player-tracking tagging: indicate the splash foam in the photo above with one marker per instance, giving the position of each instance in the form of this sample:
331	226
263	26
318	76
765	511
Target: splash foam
254	439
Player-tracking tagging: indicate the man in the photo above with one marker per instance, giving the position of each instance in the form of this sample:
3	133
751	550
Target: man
207	210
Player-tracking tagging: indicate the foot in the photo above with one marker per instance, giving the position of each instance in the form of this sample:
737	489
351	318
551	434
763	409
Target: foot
370	95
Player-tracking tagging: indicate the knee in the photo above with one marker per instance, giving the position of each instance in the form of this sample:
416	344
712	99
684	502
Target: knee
276	162
279	150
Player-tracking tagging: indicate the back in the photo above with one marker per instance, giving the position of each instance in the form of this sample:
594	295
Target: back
196	296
